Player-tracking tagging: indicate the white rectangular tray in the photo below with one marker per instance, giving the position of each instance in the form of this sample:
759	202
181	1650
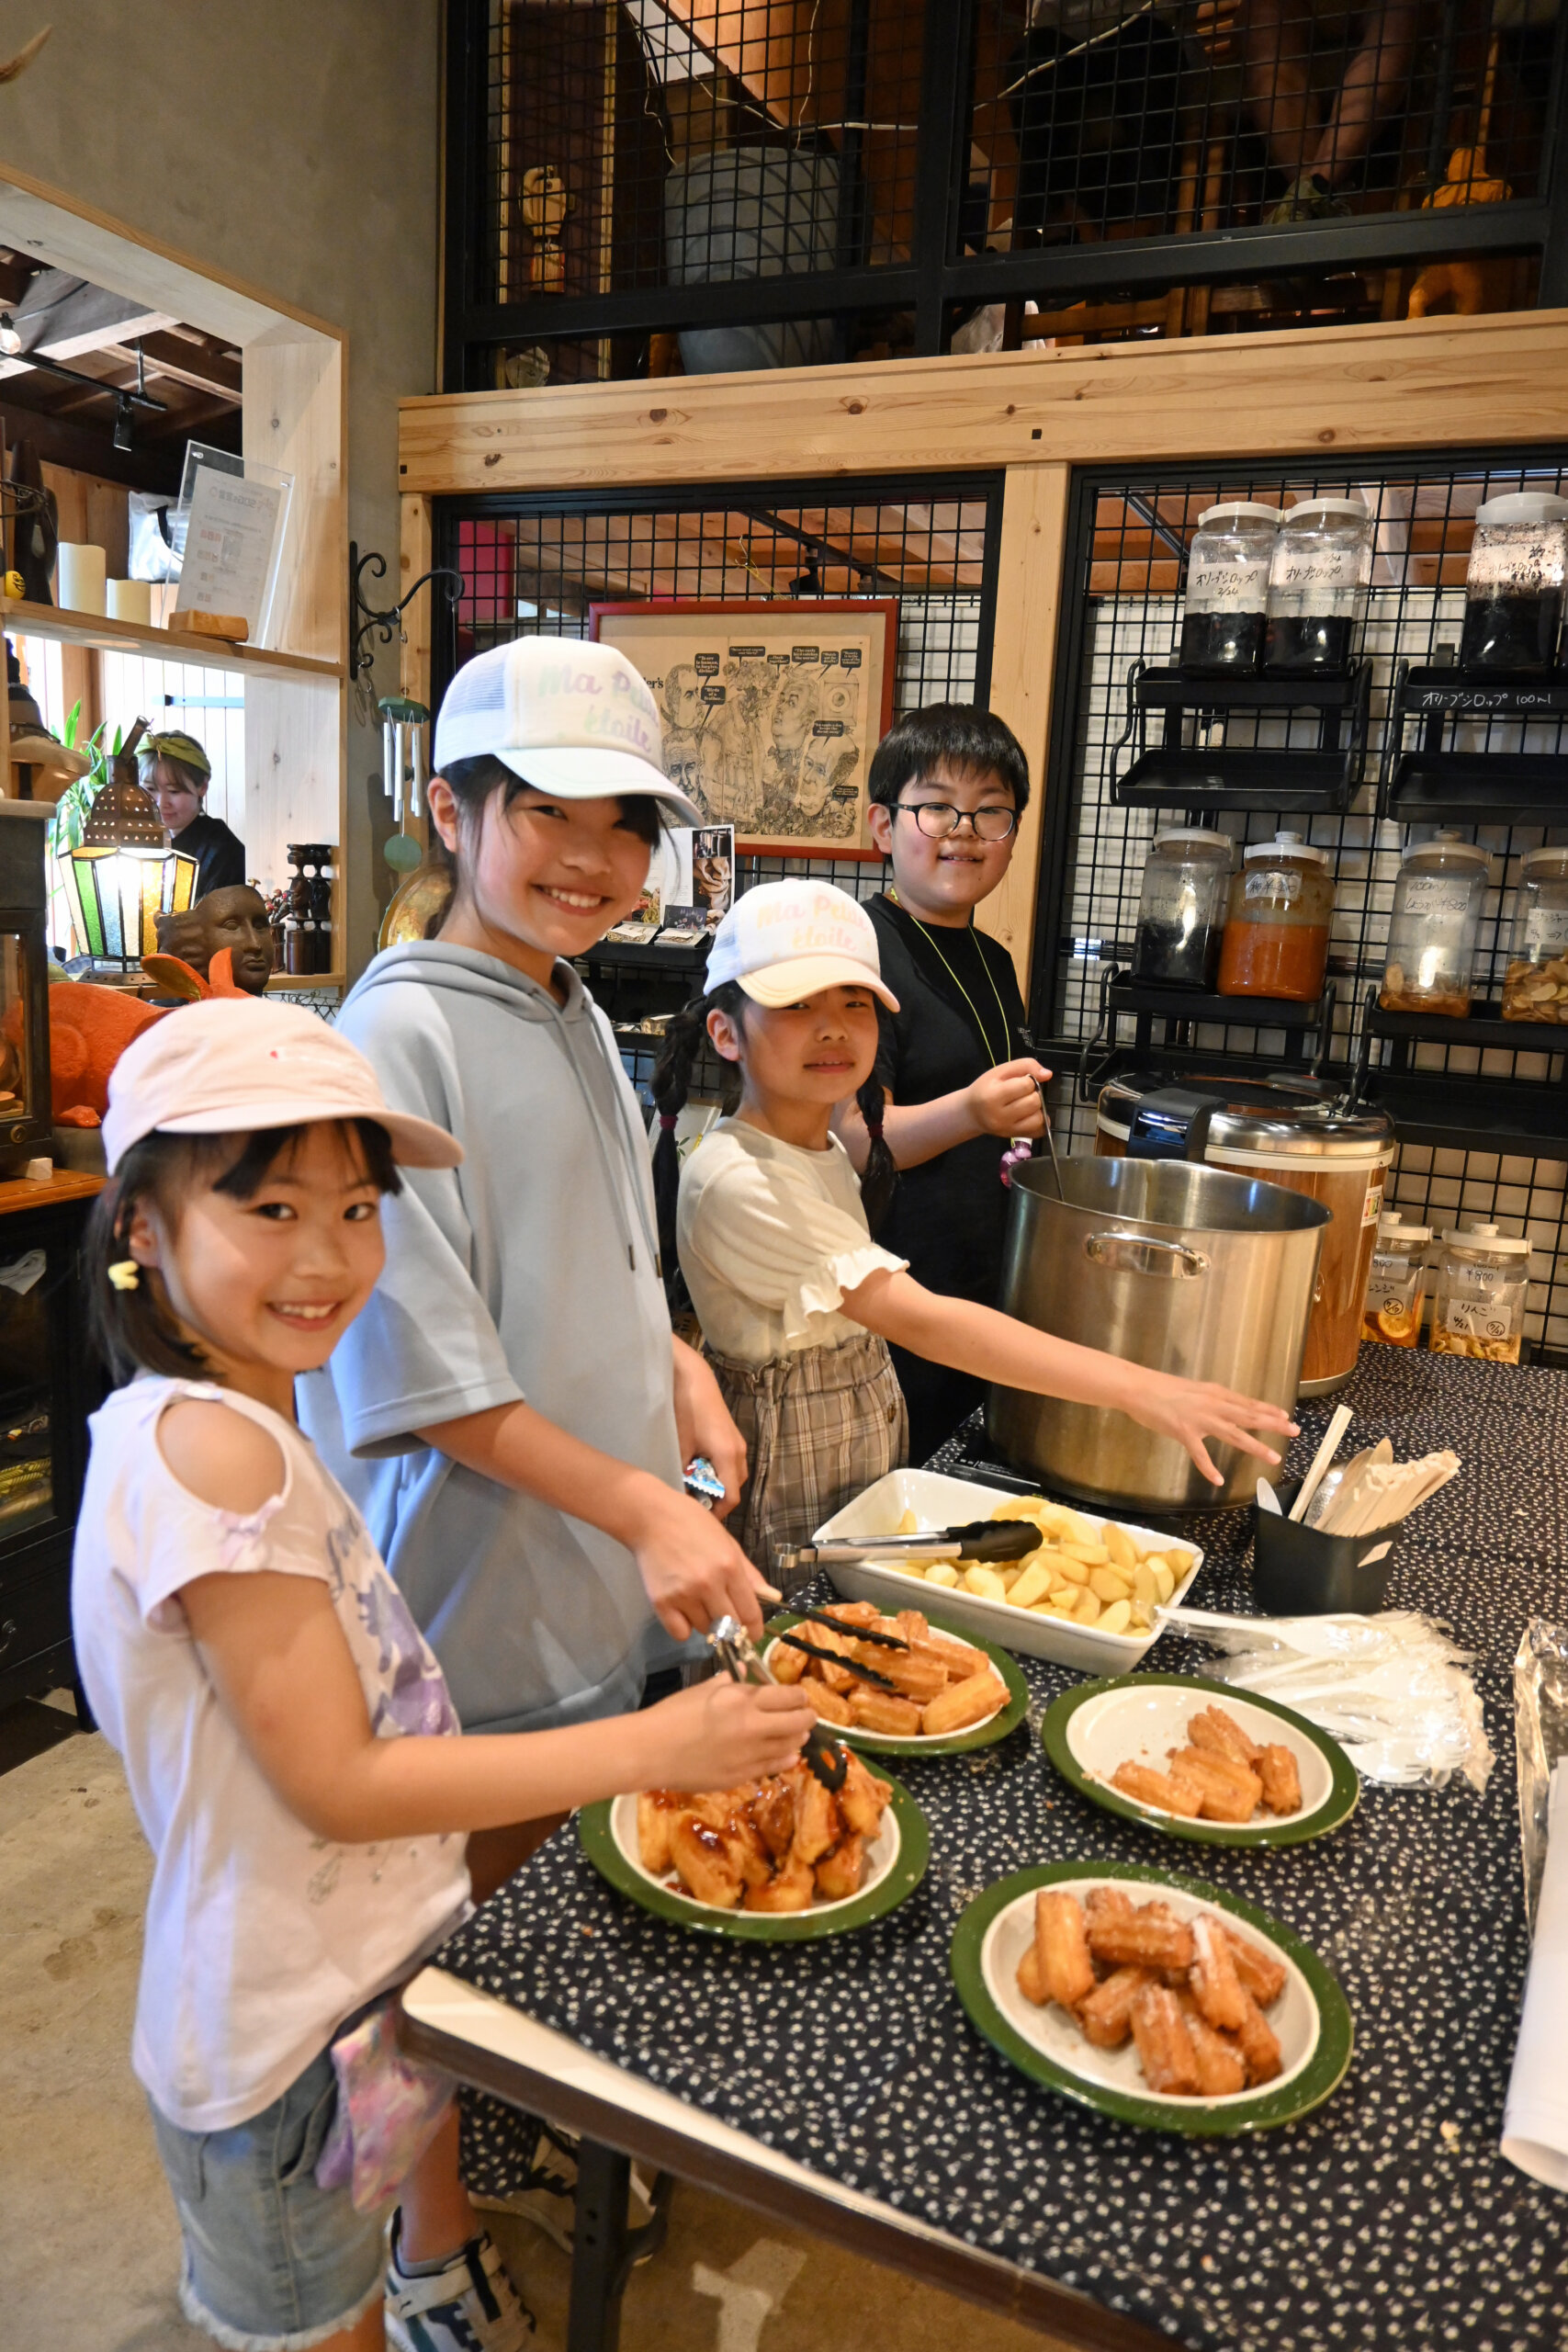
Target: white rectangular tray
937	1502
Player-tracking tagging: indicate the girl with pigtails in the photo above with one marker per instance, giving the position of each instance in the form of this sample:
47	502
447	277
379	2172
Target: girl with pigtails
796	1300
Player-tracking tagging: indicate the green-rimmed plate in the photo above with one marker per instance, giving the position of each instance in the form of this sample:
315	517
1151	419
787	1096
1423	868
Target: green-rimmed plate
896	1864
1311	2017
1138	1718
953	1743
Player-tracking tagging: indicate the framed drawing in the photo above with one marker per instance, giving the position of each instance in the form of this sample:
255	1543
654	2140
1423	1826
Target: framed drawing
772	710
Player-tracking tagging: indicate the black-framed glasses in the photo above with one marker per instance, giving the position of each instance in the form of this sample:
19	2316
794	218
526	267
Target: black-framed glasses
940	819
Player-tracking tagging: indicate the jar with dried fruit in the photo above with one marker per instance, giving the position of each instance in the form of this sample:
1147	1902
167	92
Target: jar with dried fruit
1534	986
1432	932
1397	1283
1478	1303
1276	939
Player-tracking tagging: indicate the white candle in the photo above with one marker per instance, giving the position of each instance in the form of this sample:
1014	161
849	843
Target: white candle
131	600
81	581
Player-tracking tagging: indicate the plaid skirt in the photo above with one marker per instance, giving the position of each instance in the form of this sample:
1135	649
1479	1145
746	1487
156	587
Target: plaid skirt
819	1426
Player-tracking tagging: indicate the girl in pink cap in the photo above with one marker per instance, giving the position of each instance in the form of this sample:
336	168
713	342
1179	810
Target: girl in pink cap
796	1300
291	1748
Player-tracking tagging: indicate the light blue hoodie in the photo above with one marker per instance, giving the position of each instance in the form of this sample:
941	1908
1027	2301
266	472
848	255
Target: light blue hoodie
529	1271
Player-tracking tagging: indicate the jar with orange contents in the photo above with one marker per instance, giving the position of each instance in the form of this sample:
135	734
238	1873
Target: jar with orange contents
1397	1286
1276	939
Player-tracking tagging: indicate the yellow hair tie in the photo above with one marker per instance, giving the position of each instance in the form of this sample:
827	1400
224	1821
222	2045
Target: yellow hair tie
125	1273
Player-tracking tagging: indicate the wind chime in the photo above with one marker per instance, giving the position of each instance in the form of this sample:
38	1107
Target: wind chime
405	771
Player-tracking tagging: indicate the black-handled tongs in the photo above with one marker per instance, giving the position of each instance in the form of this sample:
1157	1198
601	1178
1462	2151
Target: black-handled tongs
743	1662
977	1539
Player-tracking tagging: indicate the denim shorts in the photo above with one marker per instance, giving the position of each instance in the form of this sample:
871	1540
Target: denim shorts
271	2263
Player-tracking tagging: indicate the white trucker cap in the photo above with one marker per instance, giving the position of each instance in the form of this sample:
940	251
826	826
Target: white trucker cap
567	717
227	1067
786	940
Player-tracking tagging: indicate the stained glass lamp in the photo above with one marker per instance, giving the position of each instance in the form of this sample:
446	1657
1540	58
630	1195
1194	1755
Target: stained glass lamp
124	875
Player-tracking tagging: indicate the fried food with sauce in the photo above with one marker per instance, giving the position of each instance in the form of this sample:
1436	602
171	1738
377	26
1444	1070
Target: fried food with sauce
928	1675
776	1845
1061	1946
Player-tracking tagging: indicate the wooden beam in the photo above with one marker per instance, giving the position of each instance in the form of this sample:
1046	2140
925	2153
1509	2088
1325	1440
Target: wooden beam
182	363
1422	384
1023	662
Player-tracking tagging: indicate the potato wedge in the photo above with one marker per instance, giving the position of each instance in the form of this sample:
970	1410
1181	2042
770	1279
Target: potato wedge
1031	1584
984	1581
1107	1584
1120	1545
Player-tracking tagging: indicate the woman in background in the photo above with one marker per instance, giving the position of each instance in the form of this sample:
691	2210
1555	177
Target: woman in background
176	771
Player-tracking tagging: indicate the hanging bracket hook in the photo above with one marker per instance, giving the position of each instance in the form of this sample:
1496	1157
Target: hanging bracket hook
366	621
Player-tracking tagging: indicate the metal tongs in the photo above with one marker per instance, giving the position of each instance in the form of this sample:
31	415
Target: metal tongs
977	1539
743	1662
1027	1041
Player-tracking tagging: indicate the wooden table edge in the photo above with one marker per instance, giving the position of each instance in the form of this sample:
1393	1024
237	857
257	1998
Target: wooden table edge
936	2258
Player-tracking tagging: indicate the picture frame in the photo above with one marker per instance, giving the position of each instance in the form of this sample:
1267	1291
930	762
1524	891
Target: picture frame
772	710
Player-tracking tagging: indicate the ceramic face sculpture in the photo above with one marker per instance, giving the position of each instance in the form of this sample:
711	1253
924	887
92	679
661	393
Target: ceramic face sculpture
234	919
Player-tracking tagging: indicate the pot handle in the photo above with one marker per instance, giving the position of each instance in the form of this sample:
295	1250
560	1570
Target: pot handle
1138	1253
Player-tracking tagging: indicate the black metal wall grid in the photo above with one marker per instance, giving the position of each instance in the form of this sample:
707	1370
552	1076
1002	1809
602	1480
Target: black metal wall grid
1483	1128
535	564
780	181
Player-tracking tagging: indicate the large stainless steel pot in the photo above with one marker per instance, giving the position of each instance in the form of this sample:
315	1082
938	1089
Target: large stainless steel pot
1167	1263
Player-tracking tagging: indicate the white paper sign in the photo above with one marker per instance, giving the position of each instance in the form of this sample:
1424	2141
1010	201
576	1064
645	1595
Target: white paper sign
229	540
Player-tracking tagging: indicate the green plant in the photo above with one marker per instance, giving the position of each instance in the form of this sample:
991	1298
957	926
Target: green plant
70	809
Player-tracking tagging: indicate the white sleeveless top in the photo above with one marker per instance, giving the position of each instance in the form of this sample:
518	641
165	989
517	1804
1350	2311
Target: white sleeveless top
261	1938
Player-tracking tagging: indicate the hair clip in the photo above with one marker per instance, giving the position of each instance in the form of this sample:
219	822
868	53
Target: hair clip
125	1273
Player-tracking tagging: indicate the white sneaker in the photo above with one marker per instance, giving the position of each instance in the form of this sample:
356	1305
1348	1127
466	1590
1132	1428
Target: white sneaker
469	2305
549	2201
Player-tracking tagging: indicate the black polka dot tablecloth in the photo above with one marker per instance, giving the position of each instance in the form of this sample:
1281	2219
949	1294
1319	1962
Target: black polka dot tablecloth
1385	2221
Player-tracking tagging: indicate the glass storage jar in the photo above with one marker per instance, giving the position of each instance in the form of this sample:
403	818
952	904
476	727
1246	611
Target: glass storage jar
1513	587
1276	941
1478	1301
1535	986
1317	584
1227	588
1397	1284
1432	935
1181	908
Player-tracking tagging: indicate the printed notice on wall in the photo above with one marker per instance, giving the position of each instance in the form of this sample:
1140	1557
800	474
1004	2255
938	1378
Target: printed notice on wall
229	535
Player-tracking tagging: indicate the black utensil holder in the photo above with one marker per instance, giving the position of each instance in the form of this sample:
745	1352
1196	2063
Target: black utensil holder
1299	1571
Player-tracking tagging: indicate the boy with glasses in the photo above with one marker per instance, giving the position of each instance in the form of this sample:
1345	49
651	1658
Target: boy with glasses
948	786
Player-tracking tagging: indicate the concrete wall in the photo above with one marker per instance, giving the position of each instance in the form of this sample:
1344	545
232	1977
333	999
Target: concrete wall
293	143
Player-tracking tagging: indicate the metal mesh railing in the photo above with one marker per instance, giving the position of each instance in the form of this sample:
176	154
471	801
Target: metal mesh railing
1115	118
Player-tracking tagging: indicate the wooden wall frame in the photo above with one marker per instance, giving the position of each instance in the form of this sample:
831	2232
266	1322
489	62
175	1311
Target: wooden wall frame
1430	383
293	416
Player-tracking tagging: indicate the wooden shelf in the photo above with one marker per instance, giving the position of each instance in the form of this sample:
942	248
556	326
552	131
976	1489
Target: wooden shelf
107	636
304	983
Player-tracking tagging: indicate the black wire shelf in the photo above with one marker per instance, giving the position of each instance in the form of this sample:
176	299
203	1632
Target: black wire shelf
1149	997
1247	778
1434	782
1484	1026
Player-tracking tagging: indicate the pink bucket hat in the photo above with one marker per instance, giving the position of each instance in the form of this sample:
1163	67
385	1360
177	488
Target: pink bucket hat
230	1066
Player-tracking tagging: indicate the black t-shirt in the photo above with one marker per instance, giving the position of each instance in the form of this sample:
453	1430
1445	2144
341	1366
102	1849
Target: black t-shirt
949	1217
219	854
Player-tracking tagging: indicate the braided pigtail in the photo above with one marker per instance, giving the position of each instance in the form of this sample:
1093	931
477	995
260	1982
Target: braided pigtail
684	1040
879	1177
